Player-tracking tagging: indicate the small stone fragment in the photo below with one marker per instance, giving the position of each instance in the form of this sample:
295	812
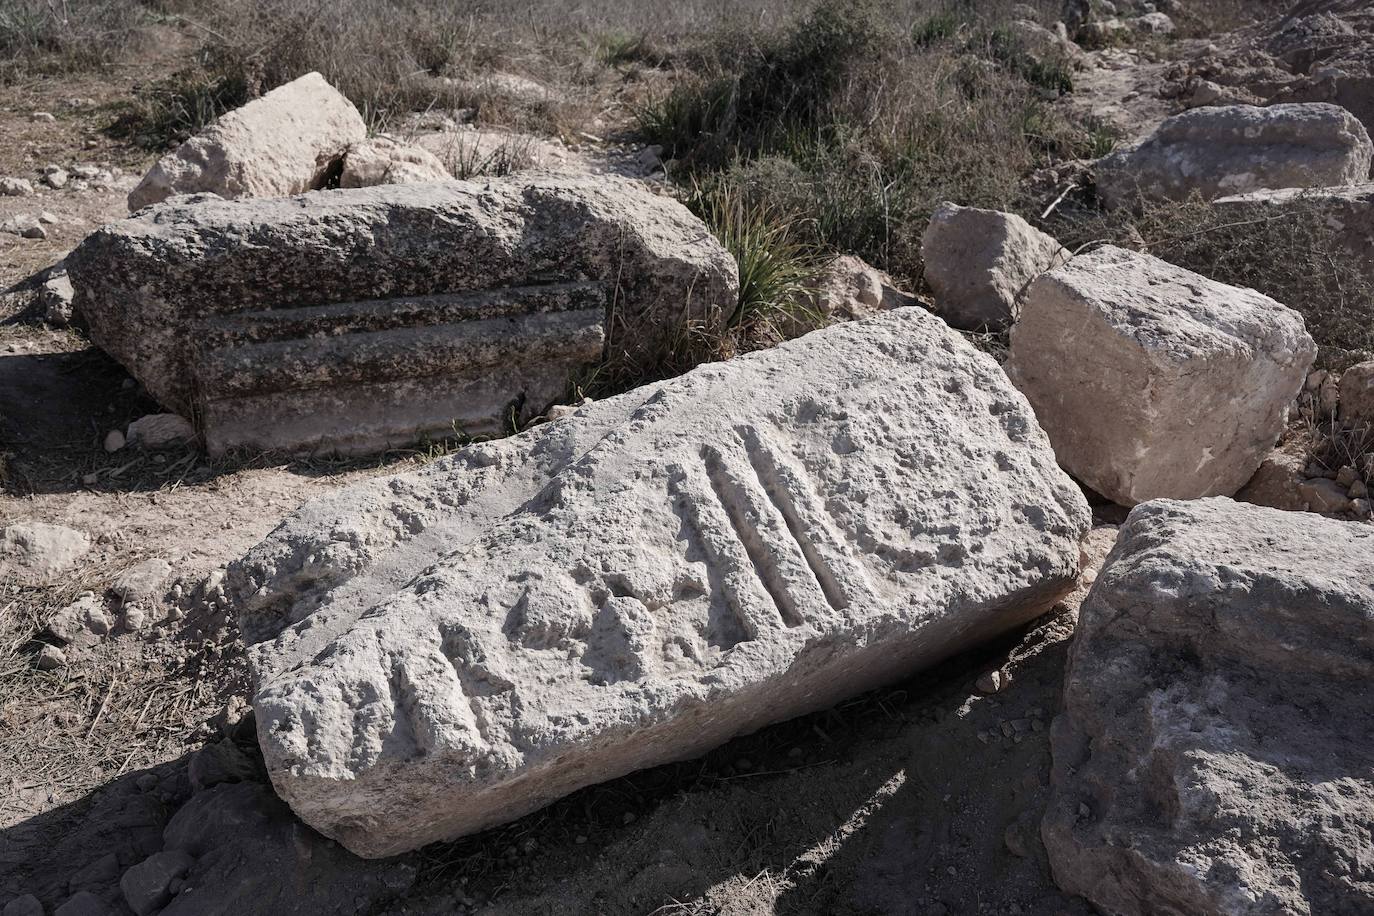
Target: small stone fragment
15	187
50	658
55	297
114	440
1277	481
144	581
990	682
1324	495
386	160
34	553
27	905
95	877
848	288
161	430
81	621
285	142
220	762
84	903
979	264
1357	394
145	886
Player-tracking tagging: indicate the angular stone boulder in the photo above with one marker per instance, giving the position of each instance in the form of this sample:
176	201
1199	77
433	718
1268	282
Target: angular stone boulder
439	652
980	262
1153	381
1232	149
354	320
288	141
1213	753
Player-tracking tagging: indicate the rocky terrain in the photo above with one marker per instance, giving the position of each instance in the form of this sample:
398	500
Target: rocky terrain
863	458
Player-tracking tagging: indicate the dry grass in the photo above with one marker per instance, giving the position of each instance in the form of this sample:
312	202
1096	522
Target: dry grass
123	706
1292	254
859	119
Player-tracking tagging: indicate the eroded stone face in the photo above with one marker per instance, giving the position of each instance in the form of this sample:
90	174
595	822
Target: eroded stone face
1153	381
1234	149
440	652
286	142
1213	755
355	320
980	262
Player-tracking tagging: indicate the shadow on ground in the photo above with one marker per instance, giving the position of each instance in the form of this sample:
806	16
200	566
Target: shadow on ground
921	798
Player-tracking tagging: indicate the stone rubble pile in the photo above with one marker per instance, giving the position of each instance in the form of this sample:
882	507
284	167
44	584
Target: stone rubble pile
439	652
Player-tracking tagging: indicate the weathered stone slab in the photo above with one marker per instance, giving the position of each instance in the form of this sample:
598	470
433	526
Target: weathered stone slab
1153	381
355	320
439	652
1213	755
286	142
1233	149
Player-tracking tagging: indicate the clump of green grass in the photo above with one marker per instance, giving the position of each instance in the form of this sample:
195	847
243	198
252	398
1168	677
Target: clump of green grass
857	128
619	47
935	28
777	268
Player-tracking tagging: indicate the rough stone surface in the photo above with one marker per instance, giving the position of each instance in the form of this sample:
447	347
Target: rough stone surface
286	142
33	553
145	581
850	288
385	160
355	320
980	262
84	903
161	430
1277	481
27	905
1357	395
1213	755
145	886
443	651
1153	381
1233	149
253	858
